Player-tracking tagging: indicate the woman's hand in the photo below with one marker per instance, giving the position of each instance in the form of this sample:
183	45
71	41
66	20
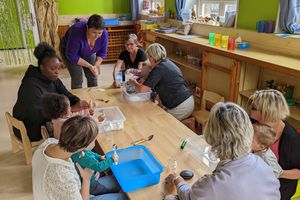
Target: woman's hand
132	82
169	184
85	173
94	69
80	105
84	104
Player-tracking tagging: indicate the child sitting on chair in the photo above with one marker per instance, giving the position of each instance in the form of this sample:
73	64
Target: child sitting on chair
96	162
57	108
263	138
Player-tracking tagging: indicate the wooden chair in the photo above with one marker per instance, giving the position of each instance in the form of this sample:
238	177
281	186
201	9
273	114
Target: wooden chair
209	99
16	143
44	132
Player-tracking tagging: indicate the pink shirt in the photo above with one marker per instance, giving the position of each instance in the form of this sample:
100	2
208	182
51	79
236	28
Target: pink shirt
275	148
57	123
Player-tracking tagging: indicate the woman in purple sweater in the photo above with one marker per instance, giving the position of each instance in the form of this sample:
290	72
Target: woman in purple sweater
84	46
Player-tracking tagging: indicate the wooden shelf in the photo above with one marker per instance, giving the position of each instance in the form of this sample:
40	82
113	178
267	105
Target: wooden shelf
294	111
183	62
116	45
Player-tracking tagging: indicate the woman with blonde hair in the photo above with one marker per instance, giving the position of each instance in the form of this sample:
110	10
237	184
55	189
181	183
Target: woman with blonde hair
167	81
269	107
238	174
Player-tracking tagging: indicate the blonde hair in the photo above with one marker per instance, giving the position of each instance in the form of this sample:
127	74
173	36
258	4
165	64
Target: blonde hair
270	103
156	51
229	131
264	134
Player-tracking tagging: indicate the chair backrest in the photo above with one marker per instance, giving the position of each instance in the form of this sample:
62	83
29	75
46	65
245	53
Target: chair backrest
13	122
210	97
44	132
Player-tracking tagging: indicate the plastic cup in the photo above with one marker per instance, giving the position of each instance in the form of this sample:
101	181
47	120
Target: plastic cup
231	44
218	40
212	38
225	41
172	165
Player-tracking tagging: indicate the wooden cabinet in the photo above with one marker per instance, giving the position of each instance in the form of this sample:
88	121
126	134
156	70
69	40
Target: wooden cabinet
236	75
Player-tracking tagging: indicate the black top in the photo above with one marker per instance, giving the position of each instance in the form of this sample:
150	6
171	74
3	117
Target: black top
140	57
167	80
289	158
28	107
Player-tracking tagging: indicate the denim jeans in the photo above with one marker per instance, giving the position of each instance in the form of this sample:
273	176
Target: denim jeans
106	188
76	70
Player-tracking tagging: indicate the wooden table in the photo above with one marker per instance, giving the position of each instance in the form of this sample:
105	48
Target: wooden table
143	119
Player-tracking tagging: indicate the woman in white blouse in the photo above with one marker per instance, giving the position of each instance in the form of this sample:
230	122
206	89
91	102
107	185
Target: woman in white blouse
53	172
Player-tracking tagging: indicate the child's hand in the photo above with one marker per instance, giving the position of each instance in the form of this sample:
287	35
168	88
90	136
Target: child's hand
97	176
85	173
103	157
115	157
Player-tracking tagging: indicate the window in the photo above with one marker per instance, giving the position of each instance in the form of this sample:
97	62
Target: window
212	8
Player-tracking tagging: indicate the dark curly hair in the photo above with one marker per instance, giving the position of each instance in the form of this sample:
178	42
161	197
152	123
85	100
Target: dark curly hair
77	132
96	21
54	105
44	51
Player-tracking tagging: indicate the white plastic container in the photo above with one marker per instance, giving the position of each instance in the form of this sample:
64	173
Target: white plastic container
114	118
197	146
137	96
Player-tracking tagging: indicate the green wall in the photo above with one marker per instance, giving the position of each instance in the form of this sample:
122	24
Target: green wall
170	4
73	7
251	11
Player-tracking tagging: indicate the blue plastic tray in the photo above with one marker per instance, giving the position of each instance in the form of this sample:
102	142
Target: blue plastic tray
111	22
137	168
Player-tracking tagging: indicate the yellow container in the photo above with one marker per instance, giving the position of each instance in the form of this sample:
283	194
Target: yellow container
218	39
150	27
225	41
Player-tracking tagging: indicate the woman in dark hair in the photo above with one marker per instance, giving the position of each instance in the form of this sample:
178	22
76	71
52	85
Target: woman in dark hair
36	82
84	46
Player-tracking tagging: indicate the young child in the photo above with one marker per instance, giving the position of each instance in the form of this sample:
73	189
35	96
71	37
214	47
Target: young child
57	108
264	137
91	160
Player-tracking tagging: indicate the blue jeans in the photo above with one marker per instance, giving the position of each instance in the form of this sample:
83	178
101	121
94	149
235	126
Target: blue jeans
76	70
106	188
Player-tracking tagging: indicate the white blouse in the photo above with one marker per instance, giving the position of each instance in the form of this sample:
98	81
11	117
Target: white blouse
54	178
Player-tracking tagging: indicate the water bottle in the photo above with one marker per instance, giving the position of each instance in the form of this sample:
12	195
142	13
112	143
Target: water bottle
118	78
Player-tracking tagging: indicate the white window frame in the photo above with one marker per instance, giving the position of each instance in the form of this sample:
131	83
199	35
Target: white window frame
222	5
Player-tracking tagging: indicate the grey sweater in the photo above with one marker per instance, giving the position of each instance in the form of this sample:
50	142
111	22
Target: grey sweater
247	178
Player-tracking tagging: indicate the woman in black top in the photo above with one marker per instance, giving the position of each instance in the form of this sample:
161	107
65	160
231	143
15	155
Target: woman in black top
168	82
132	57
270	107
36	82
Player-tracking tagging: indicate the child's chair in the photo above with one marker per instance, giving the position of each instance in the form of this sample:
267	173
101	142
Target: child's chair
44	132
209	99
16	143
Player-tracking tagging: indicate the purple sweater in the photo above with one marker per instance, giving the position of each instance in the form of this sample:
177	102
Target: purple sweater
77	44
